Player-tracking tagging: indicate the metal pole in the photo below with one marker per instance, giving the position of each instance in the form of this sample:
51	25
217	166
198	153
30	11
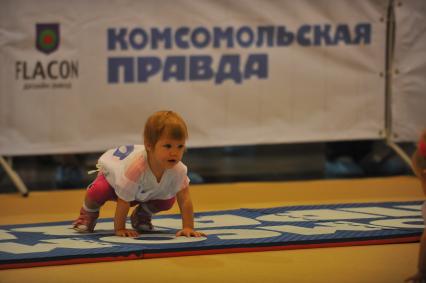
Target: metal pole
390	44
14	177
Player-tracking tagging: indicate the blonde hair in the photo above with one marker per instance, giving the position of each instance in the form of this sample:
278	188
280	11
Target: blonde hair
164	122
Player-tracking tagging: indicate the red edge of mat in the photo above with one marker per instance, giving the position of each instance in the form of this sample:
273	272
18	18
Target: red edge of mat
209	252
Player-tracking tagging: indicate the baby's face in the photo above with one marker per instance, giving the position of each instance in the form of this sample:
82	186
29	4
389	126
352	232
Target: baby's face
168	152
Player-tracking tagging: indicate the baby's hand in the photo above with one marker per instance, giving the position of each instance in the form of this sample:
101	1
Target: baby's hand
416	278
188	232
126	233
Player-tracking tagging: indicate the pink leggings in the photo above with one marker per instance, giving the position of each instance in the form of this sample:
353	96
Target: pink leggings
100	191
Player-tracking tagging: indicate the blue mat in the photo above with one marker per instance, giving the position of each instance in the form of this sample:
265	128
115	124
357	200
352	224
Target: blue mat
241	230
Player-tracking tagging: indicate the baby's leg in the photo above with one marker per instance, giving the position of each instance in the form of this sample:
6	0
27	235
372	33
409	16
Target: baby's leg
97	194
158	205
142	214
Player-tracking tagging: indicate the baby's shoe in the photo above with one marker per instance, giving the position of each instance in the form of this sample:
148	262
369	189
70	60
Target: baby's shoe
86	222
141	220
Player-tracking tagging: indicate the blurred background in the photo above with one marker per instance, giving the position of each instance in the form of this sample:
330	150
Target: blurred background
278	162
270	90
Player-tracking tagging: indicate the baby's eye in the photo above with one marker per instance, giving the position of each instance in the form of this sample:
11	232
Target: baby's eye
181	146
167	146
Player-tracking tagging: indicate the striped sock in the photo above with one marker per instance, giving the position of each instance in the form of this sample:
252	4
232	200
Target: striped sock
90	209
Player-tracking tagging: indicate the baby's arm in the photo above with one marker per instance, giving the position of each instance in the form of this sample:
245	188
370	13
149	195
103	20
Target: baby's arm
120	219
187	212
422	257
420	276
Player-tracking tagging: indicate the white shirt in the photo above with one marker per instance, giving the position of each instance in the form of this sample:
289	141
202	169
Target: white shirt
141	185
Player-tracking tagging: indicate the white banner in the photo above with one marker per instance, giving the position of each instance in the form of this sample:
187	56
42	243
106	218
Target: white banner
409	71
79	76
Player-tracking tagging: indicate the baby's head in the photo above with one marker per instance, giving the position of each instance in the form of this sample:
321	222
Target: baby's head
166	123
419	158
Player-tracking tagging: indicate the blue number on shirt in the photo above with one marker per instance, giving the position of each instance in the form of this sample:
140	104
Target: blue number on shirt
120	154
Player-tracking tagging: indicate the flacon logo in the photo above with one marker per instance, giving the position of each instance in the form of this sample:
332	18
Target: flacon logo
44	73
47	38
